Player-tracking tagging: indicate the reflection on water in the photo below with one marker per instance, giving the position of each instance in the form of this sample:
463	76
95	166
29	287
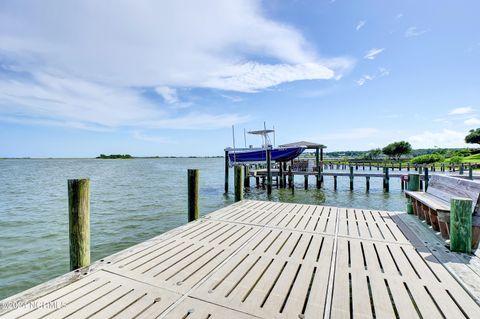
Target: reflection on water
131	201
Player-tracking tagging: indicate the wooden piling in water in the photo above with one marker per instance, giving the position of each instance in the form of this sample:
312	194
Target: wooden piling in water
426	178
367	183
305	181
386	181
290	177
238	181
269	171
280	173
334	182
470	172
193	211
257	181
79	222
461	225
351	178
317	164
226	172
246	176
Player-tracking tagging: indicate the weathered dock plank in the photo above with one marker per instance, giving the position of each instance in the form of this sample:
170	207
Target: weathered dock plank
258	259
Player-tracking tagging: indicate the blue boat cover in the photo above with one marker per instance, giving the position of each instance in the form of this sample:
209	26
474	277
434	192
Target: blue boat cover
278	154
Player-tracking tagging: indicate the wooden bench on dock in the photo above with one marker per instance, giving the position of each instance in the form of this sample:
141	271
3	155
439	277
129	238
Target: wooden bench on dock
433	205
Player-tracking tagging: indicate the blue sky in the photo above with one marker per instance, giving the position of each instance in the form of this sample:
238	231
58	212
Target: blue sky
80	78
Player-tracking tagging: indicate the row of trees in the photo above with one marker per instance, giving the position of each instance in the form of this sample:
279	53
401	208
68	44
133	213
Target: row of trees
396	150
393	150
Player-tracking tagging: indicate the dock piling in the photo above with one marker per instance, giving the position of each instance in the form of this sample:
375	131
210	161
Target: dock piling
226	172
238	179
79	222
386	180
351	178
269	171
193	210
334	182
470	172
367	183
305	181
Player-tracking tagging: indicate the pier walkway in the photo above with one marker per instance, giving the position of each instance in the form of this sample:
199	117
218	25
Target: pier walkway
257	259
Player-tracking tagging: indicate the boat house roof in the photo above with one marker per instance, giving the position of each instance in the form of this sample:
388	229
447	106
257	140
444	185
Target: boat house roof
307	145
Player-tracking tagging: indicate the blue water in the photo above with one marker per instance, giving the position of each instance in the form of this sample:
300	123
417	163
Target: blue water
131	201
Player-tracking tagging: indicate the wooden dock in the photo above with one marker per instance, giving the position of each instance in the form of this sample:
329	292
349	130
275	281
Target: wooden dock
257	259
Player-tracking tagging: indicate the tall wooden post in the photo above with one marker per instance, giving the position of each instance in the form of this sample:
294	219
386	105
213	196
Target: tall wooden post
305	181
284	180
335	182
321	171
317	164
414	186
470	172
426	178
246	181
367	181
238	179
386	181
269	171
280	172
290	177
226	172
461	225
193	194
79	222
351	178
420	171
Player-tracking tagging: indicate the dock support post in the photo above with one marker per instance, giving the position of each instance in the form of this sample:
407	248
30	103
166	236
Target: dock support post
238	179
426	178
284	179
246	181
269	171
462	168
317	164
280	173
290	177
414	186
367	181
306	181
321	171
470	172
386	181
79	222
461	225
334	182
420	171
351	178
226	172
193	194
257	181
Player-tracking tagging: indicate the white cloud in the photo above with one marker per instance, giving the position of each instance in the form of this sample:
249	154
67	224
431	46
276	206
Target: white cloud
380	73
88	63
461	110
474	121
360	24
371	54
414	32
399	16
168	94
445	138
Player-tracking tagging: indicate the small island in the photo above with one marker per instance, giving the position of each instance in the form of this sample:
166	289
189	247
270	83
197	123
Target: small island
115	156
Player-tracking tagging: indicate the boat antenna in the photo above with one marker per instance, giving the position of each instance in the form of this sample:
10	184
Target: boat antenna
245	136
233	136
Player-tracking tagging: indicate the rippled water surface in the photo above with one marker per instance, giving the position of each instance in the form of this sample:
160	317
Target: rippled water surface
131	201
